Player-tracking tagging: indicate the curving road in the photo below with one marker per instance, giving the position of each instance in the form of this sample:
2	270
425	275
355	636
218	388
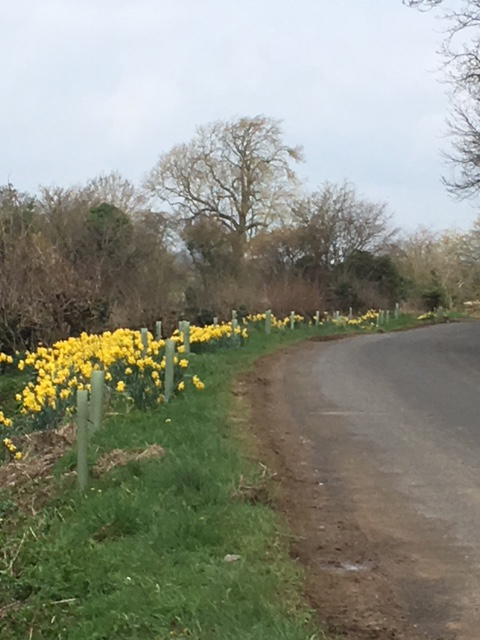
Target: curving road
394	426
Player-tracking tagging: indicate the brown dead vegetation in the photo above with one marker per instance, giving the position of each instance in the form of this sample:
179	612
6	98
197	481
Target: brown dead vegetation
30	481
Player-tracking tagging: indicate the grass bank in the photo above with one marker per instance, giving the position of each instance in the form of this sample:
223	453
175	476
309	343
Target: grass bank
142	556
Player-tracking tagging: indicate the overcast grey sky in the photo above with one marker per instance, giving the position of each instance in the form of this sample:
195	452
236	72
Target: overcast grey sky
88	86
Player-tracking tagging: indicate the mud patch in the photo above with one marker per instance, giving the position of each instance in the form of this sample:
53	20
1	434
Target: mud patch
345	566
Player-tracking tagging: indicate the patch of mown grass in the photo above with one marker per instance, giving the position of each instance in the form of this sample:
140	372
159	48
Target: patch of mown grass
142	555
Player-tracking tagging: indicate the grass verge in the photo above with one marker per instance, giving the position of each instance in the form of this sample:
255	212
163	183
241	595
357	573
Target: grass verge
142	556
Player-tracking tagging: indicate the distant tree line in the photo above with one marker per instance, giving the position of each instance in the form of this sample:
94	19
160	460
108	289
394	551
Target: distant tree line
220	222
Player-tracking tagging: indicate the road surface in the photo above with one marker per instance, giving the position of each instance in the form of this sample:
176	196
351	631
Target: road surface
380	441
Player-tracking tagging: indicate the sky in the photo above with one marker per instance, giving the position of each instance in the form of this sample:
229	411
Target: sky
91	86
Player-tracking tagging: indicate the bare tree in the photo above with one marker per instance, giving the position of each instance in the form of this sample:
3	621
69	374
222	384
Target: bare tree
238	172
461	53
425	4
335	222
443	264
116	190
72	260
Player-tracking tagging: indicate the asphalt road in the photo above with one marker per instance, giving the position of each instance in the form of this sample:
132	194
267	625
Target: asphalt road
405	409
416	395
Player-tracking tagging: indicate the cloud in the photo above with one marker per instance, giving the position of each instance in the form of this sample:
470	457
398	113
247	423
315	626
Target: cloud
91	86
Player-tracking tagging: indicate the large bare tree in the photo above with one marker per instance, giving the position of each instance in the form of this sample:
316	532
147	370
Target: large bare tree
238	172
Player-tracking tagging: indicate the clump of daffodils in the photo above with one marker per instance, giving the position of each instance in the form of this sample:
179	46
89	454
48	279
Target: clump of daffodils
5	359
365	321
426	316
258	319
298	319
211	337
198	383
5	424
12	449
134	373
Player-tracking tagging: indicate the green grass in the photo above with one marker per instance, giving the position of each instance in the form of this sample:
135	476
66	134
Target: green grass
10	385
142	555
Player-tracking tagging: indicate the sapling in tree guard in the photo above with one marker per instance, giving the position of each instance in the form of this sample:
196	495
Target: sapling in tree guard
144	335
82	439
186	337
169	368
96	400
158	330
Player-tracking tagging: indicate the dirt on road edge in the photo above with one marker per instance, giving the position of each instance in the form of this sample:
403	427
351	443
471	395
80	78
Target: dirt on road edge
347	581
